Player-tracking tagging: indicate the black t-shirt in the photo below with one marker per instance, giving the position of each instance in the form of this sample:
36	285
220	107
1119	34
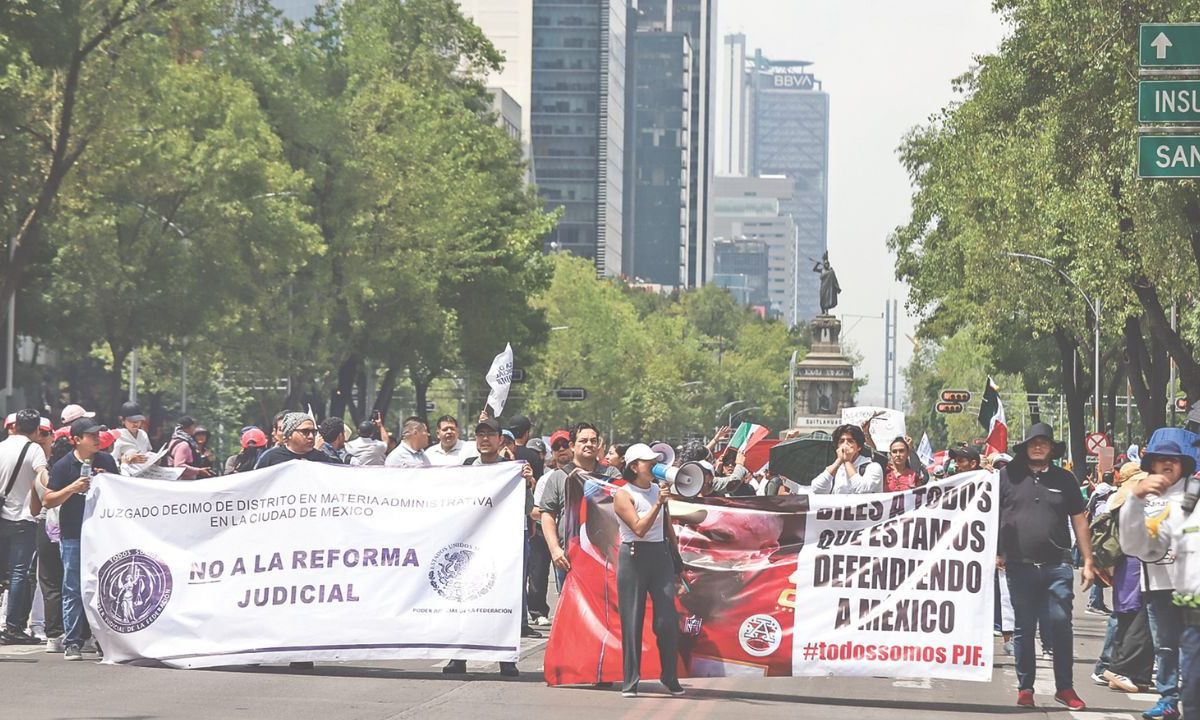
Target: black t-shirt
280	454
1035	512
67	470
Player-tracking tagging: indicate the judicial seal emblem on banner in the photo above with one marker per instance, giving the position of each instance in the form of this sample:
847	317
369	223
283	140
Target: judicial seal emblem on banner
134	587
459	572
760	635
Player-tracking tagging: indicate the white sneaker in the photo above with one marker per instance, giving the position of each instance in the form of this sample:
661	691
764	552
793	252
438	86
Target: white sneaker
543	621
1099	679
1008	649
54	644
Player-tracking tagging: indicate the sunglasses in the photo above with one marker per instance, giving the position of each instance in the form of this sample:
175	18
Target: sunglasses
307	432
561	445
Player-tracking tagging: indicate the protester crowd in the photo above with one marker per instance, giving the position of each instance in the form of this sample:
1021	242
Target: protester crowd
1131	530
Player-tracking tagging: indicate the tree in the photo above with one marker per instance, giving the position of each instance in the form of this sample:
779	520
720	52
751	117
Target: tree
419	197
58	62
180	217
1039	158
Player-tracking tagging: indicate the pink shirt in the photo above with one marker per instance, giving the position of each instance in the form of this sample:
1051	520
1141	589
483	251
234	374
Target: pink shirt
181	456
896	482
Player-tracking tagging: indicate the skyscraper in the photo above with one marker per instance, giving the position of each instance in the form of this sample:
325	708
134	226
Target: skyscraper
789	135
694	20
749	208
732	114
658	151
508	25
577	123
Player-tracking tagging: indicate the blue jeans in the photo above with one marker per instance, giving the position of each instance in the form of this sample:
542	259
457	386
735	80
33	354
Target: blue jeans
1166	625
1106	654
20	539
1096	599
1042	590
75	624
1189	666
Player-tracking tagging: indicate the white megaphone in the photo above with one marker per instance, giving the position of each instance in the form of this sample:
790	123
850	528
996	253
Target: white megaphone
687	480
667	452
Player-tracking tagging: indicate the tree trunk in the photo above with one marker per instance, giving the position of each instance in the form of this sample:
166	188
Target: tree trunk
343	394
1075	399
1147	368
1147	295
116	379
383	398
358	411
421	390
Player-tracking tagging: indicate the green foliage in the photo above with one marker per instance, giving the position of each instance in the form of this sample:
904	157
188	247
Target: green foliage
651	368
1039	157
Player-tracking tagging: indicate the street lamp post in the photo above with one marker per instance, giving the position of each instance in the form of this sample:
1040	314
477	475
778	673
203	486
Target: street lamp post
1094	307
792	388
726	408
741	412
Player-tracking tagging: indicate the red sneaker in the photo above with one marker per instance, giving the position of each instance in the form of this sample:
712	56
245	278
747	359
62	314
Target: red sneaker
1025	698
1070	699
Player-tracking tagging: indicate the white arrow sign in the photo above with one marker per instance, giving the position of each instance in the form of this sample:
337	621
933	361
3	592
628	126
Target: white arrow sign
1160	44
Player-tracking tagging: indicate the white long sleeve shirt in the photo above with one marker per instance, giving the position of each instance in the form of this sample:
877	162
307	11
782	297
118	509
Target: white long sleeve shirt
1163	564
869	479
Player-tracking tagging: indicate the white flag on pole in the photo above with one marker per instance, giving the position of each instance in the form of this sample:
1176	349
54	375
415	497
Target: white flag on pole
499	378
925	449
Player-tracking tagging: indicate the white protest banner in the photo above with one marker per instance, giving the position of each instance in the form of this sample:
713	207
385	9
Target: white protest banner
499	379
899	584
306	561
884	429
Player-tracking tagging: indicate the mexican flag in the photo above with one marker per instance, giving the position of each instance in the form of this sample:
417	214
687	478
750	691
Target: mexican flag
747	436
991	417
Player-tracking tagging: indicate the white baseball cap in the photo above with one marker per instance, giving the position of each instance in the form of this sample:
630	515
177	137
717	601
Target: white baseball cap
641	451
71	413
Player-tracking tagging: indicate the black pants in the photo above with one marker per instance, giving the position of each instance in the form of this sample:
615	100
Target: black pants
50	578
646	569
1133	651
538	578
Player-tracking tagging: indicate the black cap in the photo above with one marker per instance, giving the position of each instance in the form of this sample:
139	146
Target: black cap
520	425
965	453
132	411
83	426
490	423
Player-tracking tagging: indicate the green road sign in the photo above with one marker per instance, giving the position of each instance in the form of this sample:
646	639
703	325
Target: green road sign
1169	156
1169	101
1169	45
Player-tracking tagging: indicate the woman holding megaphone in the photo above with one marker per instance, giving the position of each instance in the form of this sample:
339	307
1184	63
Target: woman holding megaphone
646	567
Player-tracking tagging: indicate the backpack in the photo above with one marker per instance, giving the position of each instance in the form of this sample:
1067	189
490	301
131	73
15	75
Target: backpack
1106	544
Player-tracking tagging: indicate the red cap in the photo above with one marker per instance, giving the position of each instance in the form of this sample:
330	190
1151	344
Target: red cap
559	435
107	438
62	432
254	437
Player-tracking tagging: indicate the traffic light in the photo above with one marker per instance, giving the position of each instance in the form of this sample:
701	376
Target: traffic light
949	408
956	396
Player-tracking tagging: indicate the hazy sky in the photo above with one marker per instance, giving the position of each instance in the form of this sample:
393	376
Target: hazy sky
887	66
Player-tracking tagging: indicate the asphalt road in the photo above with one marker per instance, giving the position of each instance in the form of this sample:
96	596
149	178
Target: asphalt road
38	686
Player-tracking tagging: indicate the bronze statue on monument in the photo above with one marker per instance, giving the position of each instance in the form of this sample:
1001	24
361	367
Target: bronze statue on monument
829	284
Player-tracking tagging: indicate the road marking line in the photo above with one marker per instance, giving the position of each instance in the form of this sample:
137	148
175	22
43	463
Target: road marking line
1086	715
920	684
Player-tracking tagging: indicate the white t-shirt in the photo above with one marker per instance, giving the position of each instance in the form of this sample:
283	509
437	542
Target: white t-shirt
127	443
16	503
643	502
458	454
